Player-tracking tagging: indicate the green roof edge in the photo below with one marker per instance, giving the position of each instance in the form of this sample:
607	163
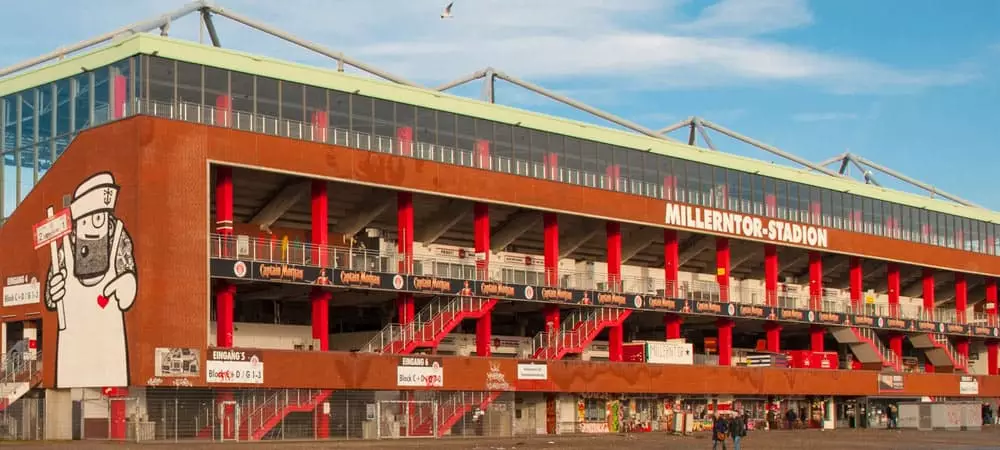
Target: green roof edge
222	58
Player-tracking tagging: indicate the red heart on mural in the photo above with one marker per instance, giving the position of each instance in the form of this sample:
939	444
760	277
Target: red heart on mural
102	301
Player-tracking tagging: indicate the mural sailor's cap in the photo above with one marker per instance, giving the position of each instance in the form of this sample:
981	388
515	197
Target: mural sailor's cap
98	194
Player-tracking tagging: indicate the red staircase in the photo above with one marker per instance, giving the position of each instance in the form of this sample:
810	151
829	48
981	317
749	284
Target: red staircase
430	325
450	412
939	351
867	347
578	330
259	414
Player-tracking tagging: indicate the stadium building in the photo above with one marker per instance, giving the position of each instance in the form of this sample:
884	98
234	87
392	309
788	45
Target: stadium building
405	262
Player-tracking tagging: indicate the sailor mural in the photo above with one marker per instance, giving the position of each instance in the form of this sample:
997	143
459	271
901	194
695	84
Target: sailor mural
91	284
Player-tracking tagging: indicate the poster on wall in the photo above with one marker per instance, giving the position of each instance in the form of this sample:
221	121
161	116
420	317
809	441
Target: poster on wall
177	362
234	367
968	386
890	383
532	371
419	371
22	290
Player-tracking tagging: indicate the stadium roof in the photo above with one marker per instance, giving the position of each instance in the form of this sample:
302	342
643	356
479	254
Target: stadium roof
133	39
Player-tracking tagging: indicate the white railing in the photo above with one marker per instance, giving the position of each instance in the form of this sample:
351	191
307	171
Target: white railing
959	359
19	368
888	356
349	258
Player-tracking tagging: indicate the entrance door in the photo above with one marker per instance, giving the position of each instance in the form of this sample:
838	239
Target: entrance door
230	423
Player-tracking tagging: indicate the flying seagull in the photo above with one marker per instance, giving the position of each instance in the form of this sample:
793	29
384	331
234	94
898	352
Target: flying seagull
447	11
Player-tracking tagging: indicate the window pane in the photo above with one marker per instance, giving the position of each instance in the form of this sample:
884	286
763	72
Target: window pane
446	129
161	79
83	95
189	84
503	137
466	132
522	149
64	103
539	147
426	125
340	110
216	87
242	91
266	100
46	102
361	114
292	102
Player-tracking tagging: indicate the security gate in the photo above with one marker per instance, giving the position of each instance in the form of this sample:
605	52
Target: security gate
407	418
229	423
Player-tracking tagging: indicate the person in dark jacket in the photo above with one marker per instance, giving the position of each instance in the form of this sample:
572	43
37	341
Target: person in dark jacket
738	429
720	430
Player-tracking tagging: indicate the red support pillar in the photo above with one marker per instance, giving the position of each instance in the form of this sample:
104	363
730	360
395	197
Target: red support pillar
551	165
722	268
225	294
223	111
673	322
725	327
323	420
551	244
671	263
481	237
816	336
962	348
320	125
551	313
483	159
319	297
614	251
404	245
120	96
991	358
815	280
771	274
856	278
961	296
991	302
896	345
893	274
773	330
615	332
404	137
929	285
224	208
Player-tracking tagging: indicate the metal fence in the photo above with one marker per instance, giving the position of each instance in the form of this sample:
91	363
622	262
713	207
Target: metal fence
171	414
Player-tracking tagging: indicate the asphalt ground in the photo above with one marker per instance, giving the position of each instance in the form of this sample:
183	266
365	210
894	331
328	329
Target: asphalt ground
988	438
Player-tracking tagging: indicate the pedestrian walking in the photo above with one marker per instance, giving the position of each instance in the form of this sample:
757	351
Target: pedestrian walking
720	432
738	429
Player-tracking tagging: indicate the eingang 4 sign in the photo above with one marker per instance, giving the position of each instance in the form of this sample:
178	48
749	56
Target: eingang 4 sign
742	225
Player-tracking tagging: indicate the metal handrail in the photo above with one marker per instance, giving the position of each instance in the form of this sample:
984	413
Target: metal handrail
389	261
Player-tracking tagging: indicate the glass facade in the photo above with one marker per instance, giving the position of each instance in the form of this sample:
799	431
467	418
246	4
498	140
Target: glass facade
257	103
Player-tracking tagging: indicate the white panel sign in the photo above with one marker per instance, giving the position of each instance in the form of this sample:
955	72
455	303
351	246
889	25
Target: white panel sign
532	371
234	367
22	290
968	386
669	353
417	371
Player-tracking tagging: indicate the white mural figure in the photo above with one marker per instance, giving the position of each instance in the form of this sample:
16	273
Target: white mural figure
92	284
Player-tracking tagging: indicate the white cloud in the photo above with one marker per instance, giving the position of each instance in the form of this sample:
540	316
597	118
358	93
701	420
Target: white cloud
594	44
824	116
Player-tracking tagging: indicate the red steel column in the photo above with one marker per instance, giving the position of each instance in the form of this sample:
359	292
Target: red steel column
404	245
483	159
671	263
815	281
673	324
962	348
120	96
223	111
615	332
725	327
552	166
929	285
896	345
893	274
991	319
771	274
320	125
225	291
816	336
722	268
551	314
551	243
319	297
856	283
225	294
961	296
773	330
404	137
481	236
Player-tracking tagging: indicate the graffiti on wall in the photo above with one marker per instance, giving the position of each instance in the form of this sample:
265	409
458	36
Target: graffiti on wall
91	284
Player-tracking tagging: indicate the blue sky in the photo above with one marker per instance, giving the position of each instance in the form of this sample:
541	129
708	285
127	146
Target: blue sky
911	84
